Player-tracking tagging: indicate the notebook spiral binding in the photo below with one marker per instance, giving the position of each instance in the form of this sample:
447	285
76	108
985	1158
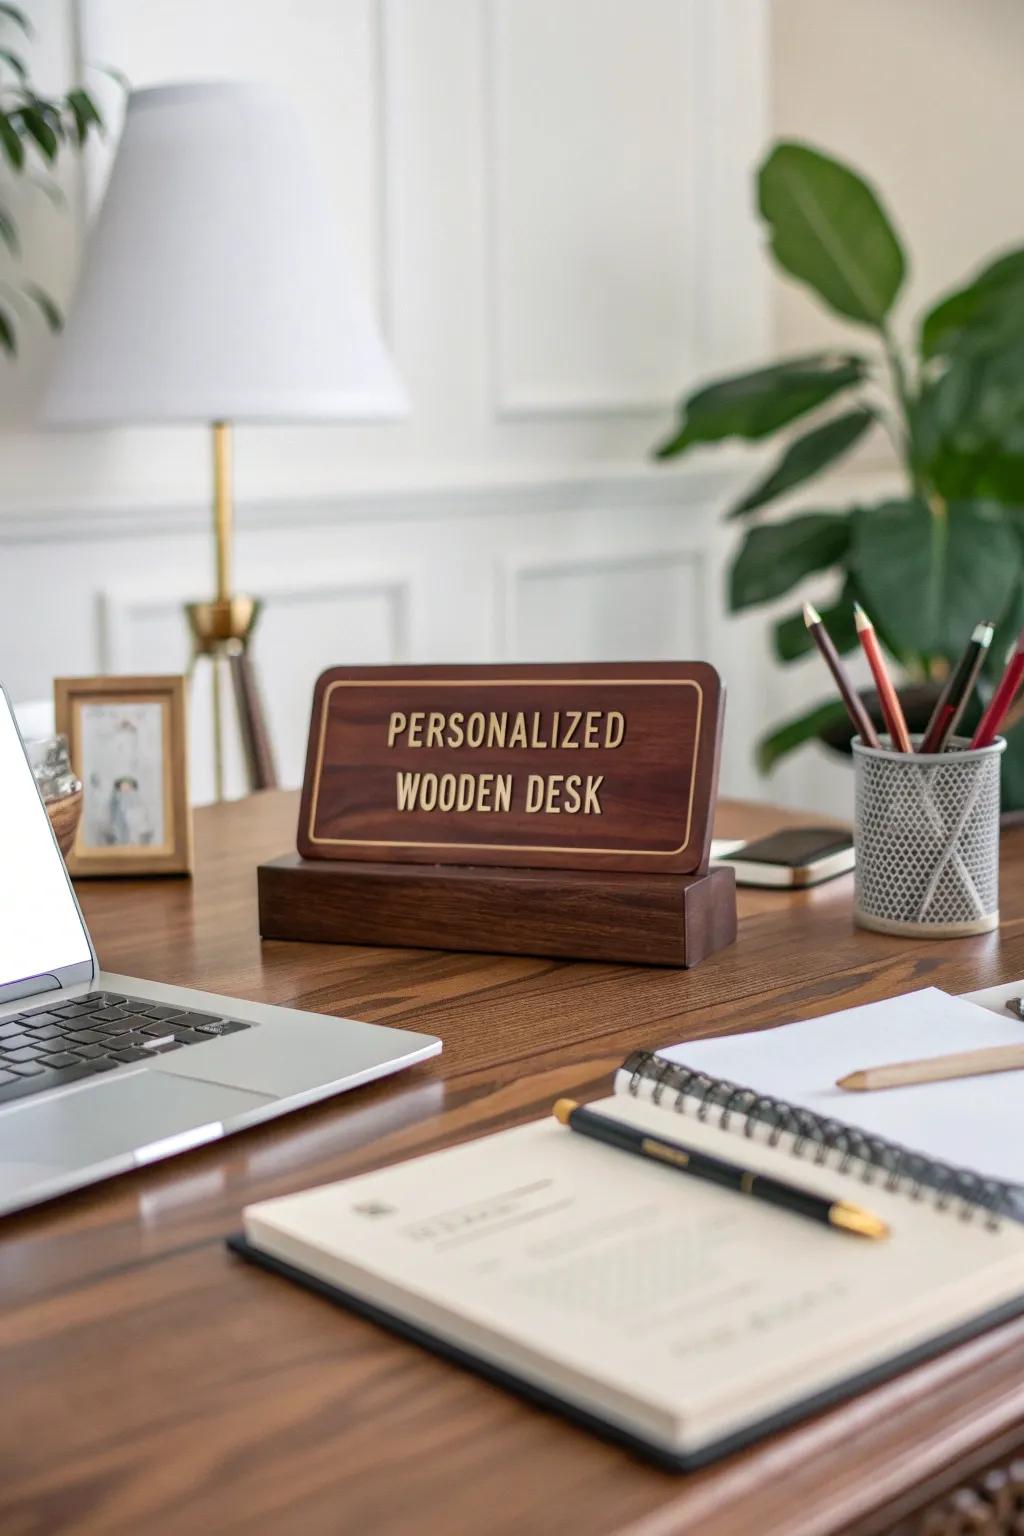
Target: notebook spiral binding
828	1142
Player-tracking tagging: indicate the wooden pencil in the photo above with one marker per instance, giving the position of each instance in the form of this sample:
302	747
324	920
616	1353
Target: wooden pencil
897	726
936	1069
859	716
959	687
998	706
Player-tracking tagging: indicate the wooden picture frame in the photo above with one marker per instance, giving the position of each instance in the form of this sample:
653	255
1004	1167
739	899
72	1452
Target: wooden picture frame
128	743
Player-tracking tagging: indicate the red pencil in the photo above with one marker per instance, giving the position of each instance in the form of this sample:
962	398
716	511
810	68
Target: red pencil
898	736
999	704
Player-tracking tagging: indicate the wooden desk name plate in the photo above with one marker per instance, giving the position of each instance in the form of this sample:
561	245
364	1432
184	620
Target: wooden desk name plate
608	771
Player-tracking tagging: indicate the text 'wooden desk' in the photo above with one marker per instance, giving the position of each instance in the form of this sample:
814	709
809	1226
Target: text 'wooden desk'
151	1383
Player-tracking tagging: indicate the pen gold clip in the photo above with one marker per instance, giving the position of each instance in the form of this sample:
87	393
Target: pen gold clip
844	1215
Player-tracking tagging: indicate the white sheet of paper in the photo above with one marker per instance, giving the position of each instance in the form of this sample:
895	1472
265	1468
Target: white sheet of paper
995	997
974	1122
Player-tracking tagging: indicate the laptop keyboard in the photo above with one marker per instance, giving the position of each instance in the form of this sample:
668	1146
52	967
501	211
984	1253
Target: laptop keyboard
46	1047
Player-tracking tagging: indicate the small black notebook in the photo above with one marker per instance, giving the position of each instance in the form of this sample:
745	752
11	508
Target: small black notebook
663	1311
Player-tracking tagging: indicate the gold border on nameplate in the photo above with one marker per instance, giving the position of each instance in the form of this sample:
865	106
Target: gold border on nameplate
504	682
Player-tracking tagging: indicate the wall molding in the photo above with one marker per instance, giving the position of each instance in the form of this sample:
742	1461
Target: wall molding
706	109
512	574
687	488
707	488
119	608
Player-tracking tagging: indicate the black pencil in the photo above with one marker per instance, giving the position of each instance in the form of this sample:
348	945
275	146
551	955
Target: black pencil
958	689
841	1214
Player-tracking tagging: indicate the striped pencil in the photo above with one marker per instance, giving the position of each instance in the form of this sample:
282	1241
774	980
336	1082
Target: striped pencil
897	726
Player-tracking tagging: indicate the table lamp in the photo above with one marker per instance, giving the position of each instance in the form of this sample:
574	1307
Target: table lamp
214	289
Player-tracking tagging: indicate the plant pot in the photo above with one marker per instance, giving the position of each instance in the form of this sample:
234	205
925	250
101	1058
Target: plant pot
917	700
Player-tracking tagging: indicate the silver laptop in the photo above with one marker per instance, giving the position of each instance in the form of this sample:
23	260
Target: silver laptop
101	1073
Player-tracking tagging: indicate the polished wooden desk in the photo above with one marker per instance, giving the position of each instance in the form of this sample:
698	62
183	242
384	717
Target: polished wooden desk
152	1383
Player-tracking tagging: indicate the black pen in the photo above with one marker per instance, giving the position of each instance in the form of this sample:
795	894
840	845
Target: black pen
842	1214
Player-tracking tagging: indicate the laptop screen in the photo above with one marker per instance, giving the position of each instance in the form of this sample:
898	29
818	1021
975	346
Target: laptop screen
41	929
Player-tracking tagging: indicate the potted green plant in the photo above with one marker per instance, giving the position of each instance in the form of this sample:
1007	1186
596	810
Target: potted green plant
32	127
946	549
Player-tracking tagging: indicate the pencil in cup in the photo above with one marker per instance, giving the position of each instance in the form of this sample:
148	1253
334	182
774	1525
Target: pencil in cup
955	695
926	834
891	710
859	717
993	717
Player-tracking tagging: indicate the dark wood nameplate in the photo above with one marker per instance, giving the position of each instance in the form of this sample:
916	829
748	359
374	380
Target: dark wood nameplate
587	766
640	919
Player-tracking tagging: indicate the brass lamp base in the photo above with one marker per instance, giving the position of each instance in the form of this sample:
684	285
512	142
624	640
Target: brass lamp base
225	619
221	631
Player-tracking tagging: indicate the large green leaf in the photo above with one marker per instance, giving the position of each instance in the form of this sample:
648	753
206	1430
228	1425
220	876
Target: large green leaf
14	64
1008	627
776	556
753	405
38	127
11	143
989	309
787	737
829	230
929	577
85	114
9	231
969	426
1012	769
17	15
46	306
806	455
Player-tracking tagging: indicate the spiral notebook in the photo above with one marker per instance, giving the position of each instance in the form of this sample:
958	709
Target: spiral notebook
963	1134
663	1311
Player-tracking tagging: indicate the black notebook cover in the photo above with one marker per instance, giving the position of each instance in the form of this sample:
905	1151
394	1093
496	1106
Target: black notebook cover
678	1461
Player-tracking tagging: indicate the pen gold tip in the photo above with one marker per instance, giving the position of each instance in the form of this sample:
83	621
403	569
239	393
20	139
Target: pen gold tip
854	1218
811	615
853	1081
563	1109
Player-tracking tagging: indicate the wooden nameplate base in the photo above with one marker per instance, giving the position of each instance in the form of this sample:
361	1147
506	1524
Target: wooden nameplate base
634	918
519	810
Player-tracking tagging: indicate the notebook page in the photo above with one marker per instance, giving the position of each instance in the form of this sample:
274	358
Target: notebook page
975	1123
655	1299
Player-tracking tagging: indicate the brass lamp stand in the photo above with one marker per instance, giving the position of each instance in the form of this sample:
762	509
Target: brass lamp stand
221	630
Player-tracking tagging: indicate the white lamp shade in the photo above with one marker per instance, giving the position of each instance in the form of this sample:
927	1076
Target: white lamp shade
214	285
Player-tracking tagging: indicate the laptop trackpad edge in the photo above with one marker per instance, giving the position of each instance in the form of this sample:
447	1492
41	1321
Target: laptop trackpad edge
106	1119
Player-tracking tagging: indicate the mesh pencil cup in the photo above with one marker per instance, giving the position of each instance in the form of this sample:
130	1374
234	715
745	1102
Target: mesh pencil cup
926	832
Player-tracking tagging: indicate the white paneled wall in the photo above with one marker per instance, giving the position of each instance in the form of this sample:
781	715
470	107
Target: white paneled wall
590	225
549	203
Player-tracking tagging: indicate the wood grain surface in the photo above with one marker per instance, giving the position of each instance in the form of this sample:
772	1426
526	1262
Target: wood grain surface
151	1383
586	914
610	765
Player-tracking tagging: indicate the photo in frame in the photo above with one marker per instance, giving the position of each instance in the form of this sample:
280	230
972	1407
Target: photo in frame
128	743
